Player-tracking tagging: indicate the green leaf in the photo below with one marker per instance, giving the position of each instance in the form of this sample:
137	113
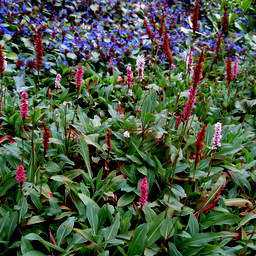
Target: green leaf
3	223
35	219
71	55
11	56
214	191
84	151
148	117
154	229
30	172
201	239
12	224
240	25
208	135
112	231
146	107
167	227
246	219
178	190
193	224
229	150
64	231
52	167
173	250
25	246
142	154
125	199
90	141
23	208
35	237
149	213
34	253
7	185
138	242
92	216
134	159
224	219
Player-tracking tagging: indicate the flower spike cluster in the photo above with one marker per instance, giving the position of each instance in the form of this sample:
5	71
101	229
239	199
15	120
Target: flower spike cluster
46	138
195	16
229	73
149	31
20	174
79	77
166	49
235	68
189	104
225	21
199	144
143	192
217	136
24	106
57	81
2	61
129	75
39	48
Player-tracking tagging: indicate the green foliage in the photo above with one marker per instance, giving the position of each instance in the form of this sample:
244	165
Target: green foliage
82	190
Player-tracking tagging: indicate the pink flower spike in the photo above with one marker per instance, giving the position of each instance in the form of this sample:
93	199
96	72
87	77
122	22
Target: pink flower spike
79	77
20	174
57	81
24	106
217	136
189	104
110	63
129	77
235	68
143	192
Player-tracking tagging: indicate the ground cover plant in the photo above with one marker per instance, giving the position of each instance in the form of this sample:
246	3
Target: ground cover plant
127	127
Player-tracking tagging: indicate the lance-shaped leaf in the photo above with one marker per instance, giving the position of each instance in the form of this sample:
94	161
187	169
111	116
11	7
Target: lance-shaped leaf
63	231
216	189
138	243
84	151
92	215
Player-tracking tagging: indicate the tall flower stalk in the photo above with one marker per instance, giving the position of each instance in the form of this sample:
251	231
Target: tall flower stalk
39	48
195	16
216	136
2	61
24	115
143	192
199	145
140	63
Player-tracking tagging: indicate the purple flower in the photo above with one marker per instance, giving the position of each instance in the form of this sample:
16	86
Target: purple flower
24	106
217	136
57	81
79	77
20	174
143	191
140	63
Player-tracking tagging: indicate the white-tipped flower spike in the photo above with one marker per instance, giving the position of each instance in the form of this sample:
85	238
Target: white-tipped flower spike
57	81
126	134
180	76
130	92
140	63
217	136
